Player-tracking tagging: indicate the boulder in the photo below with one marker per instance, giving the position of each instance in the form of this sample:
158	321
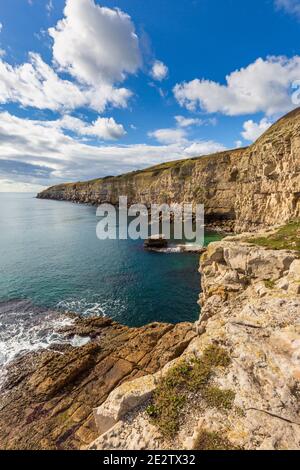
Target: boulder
122	400
156	241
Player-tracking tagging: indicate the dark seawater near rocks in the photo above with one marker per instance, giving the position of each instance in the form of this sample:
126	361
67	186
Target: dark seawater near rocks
48	393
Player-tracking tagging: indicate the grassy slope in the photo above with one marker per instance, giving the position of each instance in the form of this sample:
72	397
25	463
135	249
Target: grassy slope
286	238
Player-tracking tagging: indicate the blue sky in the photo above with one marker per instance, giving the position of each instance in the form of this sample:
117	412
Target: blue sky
94	88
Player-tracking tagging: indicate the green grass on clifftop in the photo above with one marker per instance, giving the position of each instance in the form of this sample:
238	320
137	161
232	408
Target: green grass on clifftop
286	238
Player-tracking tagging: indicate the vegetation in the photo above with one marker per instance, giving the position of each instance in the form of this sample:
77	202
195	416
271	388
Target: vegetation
212	441
269	283
182	382
286	238
217	398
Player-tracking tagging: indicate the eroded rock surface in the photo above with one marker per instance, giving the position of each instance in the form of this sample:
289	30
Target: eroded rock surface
241	189
49	396
251	309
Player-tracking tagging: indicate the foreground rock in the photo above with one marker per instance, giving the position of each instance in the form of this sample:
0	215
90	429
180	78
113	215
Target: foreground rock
49	396
251	310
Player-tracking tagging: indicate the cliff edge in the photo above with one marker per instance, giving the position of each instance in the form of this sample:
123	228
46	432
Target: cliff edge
244	189
237	386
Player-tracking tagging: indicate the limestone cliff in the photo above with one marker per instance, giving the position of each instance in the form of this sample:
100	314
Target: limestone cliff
237	386
249	188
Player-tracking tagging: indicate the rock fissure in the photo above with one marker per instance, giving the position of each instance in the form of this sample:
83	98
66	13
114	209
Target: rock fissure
274	415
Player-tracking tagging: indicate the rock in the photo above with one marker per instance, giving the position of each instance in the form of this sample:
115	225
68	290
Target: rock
257	323
122	400
156	241
49	396
241	189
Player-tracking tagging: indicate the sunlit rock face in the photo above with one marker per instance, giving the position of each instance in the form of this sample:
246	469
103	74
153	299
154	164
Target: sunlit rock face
243	189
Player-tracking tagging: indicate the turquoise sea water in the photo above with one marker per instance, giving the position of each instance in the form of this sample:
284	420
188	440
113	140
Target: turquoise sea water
50	255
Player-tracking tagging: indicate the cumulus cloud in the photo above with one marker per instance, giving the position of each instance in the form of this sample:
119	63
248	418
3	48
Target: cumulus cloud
188	122
36	84
238	144
290	6
203	148
39	153
263	86
168	136
253	130
159	71
104	128
95	44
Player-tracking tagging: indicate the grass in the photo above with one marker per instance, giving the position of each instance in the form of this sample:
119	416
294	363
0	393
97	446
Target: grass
286	238
189	378
217	398
269	284
212	441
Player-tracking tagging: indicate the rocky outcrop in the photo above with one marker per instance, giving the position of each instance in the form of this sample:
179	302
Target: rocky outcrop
250	309
48	399
242	189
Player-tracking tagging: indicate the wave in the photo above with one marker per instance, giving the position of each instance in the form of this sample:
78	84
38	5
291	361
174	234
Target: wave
91	308
29	329
82	306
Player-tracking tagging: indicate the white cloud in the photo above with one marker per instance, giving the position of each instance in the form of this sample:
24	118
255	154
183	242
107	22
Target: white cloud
290	6
95	44
49	6
1	27
253	130
34	152
188	122
104	128
11	186
159	71
168	136
238	144
263	86
36	84
203	148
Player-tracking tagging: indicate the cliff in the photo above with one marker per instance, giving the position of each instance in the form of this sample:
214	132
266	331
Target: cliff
48	397
231	381
237	386
247	188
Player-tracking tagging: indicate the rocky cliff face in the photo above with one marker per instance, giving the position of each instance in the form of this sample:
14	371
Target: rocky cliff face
246	395
249	188
232	381
48	397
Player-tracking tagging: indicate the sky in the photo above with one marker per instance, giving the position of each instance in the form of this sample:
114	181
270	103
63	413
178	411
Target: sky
91	88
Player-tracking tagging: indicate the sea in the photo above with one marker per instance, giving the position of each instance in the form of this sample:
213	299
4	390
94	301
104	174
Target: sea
52	262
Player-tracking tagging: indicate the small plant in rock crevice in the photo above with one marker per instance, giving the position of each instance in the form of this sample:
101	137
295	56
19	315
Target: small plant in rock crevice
187	379
213	441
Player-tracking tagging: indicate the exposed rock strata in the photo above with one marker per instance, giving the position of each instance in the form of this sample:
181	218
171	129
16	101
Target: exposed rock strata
242	189
250	307
49	396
